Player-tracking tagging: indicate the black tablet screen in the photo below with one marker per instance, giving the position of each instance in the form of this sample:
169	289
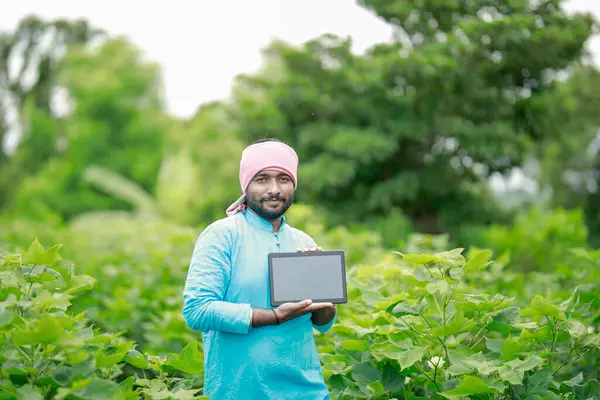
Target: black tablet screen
320	277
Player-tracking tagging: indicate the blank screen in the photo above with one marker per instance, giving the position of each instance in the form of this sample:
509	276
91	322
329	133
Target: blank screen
311	277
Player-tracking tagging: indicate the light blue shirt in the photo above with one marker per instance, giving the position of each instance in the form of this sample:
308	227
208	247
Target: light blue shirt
228	276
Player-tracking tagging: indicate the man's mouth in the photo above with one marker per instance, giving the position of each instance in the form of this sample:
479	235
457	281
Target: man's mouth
274	201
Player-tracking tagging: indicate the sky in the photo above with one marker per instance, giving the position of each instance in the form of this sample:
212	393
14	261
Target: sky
201	46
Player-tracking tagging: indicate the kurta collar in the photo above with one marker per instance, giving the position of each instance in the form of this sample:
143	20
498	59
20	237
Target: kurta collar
262	223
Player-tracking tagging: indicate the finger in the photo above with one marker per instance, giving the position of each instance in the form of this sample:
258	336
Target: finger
296	306
319	306
303	304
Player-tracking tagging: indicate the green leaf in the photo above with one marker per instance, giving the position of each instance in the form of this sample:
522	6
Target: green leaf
439	286
36	254
63	375
6	317
538	383
187	394
478	261
97	388
365	373
376	389
49	301
77	357
392	380
136	359
80	282
589	390
458	324
420	259
355	345
463	363
189	360
539	306
453	257
112	355
469	385
30	392
406	353
402	308
46	330
514	371
567	386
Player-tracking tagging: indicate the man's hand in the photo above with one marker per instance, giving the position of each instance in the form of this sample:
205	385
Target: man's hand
322	312
308	248
288	311
285	312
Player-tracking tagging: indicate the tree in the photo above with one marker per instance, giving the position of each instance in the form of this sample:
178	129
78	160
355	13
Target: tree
419	123
197	179
117	121
29	63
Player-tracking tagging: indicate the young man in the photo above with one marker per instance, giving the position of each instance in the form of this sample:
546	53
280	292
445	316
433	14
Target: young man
251	350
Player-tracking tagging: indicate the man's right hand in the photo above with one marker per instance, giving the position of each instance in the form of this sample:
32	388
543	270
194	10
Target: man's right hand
285	312
288	311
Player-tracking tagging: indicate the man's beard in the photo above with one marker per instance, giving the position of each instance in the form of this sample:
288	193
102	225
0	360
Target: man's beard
256	204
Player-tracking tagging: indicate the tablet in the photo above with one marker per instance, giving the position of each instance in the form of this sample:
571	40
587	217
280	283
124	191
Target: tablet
316	275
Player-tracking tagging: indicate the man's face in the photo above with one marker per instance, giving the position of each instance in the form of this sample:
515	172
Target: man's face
270	194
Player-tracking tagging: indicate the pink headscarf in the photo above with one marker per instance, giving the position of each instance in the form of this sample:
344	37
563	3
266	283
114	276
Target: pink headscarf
260	156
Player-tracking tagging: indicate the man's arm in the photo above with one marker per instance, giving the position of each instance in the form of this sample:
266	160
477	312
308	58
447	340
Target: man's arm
206	282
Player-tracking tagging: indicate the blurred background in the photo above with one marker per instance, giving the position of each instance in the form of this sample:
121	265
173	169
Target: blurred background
419	126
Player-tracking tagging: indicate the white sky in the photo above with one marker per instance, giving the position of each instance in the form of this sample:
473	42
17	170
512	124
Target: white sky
202	45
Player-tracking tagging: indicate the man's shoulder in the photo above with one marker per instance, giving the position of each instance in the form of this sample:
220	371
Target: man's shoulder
224	226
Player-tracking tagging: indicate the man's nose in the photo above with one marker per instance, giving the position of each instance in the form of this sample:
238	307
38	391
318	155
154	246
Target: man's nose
274	187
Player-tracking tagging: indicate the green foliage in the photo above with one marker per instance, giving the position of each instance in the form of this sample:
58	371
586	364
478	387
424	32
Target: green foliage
199	178
49	352
116	121
28	91
465	90
426	327
141	267
538	239
428	324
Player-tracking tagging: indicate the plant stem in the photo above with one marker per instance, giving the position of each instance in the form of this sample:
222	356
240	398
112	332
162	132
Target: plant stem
24	354
477	334
564	362
554	338
575	359
413	329
428	377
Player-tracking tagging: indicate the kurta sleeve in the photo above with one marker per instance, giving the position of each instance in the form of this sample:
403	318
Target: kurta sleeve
207	280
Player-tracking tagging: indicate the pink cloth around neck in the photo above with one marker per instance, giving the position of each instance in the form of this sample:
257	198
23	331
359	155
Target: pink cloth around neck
261	156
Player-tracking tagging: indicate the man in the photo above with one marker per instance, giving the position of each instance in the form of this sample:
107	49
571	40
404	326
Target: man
251	350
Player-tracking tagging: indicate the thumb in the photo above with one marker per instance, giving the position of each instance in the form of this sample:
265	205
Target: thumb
304	303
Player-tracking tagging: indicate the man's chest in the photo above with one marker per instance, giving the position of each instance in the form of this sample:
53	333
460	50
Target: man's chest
249	280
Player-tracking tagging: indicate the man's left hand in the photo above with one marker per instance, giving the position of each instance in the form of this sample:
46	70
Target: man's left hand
308	248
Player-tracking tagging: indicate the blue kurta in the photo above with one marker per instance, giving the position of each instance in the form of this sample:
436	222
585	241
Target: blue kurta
228	276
